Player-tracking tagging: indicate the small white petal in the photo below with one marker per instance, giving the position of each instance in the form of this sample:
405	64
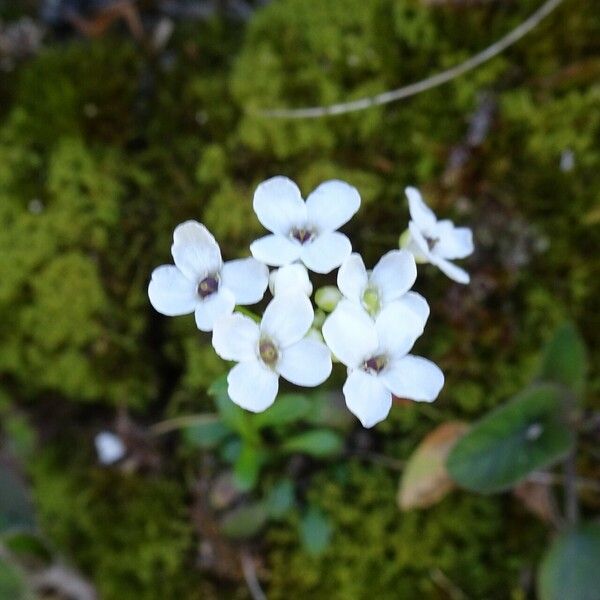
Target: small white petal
413	377
394	274
306	363
171	293
235	337
451	270
109	447
287	318
367	397
246	278
350	334
420	213
417	304
398	328
275	250
326	252
195	251
211	308
332	204
288	278
352	278
252	385
423	254
454	242
279	206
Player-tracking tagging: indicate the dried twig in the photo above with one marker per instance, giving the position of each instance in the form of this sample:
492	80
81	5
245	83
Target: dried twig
251	578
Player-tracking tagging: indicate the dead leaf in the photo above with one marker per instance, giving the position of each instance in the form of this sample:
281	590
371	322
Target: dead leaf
425	480
537	498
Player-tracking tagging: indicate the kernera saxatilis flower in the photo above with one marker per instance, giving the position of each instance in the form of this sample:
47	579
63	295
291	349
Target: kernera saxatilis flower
290	278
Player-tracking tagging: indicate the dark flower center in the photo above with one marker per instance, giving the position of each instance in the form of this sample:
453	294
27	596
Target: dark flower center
268	352
375	364
302	234
208	286
431	242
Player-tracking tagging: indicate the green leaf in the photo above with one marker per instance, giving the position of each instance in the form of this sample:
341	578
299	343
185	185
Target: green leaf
27	547
286	409
315	531
207	434
565	359
280	499
16	509
571	567
12	585
318	442
524	435
231	414
245	521
247	467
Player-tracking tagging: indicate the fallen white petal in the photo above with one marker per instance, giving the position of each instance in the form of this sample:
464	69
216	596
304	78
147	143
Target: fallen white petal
306	363
195	251
394	274
275	250
109	447
367	397
350	334
352	278
287	318
420	213
413	377
279	206
252	385
326	252
246	278
332	204
211	308
235	337
171	293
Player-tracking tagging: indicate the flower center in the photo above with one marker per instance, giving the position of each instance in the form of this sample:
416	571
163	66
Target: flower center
208	286
370	301
375	364
431	242
268	352
302	234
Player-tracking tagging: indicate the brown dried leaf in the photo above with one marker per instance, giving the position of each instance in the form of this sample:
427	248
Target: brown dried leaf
537	498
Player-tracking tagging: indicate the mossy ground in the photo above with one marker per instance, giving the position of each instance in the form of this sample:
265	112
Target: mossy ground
103	150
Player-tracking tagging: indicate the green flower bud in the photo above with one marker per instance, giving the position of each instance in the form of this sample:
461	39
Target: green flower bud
327	297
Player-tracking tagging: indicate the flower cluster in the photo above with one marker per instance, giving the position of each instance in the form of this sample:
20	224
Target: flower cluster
374	318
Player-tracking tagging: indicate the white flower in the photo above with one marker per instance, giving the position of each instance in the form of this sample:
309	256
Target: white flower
376	354
290	278
390	281
437	242
109	447
200	282
304	231
278	346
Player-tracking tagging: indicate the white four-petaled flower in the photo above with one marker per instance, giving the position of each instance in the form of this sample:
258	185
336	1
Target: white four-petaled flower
200	282
304	231
376	354
276	347
290	278
390	281
437	242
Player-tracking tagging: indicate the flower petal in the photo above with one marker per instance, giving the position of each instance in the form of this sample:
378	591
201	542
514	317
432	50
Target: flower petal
413	377
171	293
332	204
398	327
252	385
290	278
420	213
328	251
246	278
235	337
279	206
195	251
350	334
394	274
417	304
352	278
211	308
287	318
451	270
422	253
454	242
306	363
367	398
275	250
